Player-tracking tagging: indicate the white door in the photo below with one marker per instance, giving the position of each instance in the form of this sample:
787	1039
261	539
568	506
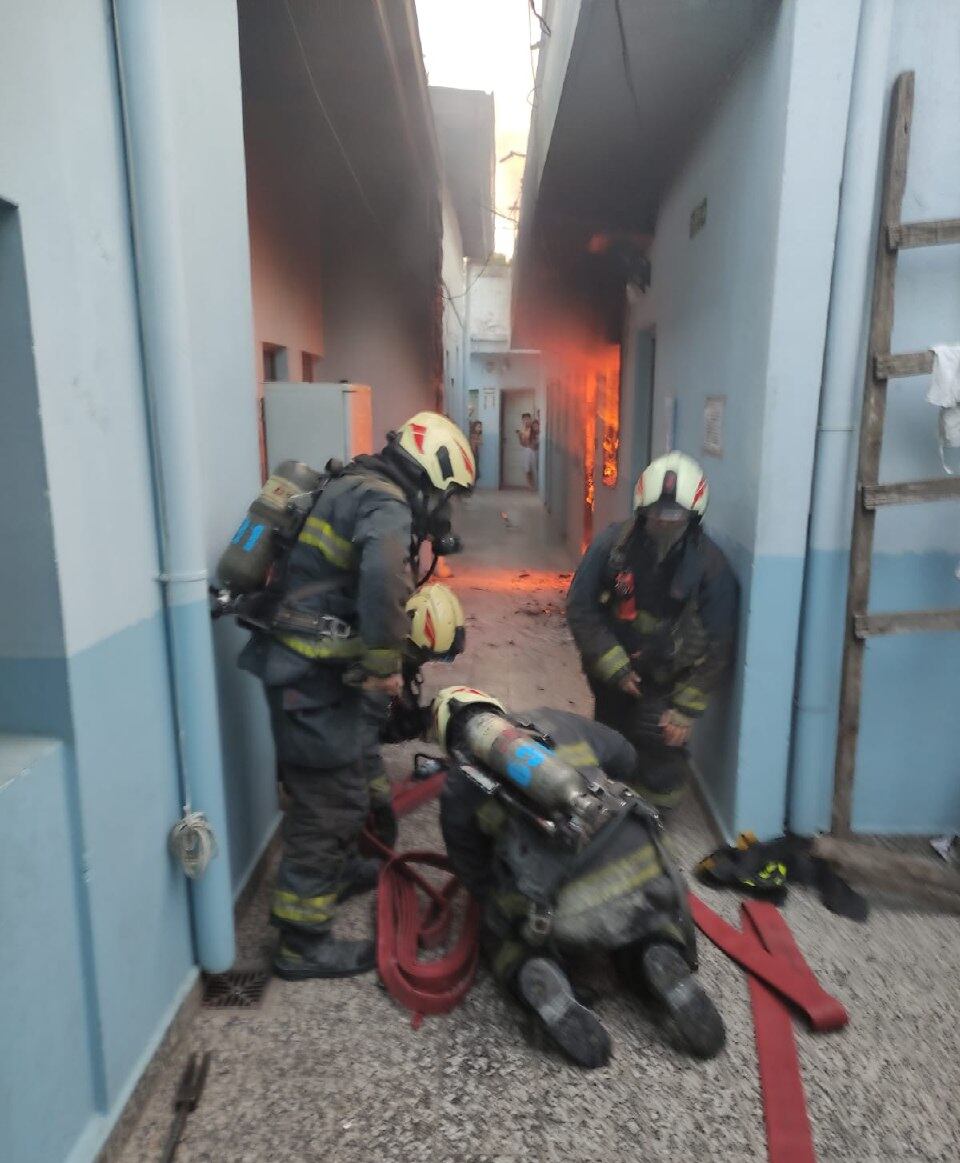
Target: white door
517	412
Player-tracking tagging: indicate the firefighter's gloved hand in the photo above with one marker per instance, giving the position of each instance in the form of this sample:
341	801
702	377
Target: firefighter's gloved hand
630	684
676	728
391	684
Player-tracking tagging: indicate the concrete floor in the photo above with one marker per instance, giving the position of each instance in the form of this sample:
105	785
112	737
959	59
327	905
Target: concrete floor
334	1071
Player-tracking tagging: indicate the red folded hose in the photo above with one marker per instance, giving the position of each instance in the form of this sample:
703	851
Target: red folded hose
789	1135
413	914
796	985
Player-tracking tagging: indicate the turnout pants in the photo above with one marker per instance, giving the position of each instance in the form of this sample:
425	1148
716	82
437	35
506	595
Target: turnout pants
662	772
615	907
327	741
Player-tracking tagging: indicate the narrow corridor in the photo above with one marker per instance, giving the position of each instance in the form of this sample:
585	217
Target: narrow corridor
334	1071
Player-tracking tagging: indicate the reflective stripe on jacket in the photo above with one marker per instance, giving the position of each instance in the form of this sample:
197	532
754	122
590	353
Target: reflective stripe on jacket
350	564
673	623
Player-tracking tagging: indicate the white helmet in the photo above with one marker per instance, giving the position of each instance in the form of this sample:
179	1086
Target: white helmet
436	445
675	478
437	629
452	699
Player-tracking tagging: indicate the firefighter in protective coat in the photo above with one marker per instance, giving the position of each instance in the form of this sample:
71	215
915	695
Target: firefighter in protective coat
653	611
544	900
330	664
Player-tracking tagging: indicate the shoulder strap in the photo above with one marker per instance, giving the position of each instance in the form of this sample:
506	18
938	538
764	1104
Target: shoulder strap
617	558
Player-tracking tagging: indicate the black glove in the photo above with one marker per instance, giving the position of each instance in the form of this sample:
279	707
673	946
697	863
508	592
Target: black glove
405	720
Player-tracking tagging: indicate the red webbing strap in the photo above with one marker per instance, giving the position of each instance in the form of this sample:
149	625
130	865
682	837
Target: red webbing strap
801	988
789	1137
411	793
406	923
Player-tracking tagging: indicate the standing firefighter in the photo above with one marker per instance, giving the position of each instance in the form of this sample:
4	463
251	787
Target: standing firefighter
564	859
329	656
653	611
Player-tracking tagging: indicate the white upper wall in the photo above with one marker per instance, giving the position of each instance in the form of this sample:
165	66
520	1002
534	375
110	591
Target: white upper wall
62	165
489	321
216	258
823	55
453	270
739	310
926	38
710	297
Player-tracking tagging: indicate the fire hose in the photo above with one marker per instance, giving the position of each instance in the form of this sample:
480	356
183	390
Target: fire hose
405	925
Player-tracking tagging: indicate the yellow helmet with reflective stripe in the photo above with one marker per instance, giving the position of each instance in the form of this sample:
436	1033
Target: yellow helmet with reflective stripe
436	624
452	699
438	447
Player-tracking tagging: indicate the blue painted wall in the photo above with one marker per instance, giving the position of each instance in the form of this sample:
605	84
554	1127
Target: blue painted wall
906	760
97	950
740	311
216	253
43	976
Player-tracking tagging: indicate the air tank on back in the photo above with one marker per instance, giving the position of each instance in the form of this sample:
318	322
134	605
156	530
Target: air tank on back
274	516
495	742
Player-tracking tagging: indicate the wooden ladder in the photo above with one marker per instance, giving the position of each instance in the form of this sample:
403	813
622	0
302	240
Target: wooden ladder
883	365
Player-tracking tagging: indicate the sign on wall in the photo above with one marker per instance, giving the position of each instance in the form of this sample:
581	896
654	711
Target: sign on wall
713	412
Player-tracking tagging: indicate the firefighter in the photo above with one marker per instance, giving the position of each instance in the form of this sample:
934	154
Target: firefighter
544	900
653	611
330	664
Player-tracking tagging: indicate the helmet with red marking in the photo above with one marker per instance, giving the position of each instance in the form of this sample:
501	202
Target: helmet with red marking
437	630
452	699
438	447
674	481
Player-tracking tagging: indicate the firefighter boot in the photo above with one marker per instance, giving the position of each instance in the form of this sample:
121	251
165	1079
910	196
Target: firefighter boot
304	955
669	978
542	984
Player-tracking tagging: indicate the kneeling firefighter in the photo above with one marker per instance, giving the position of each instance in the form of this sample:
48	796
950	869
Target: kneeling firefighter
329	629
563	857
653	611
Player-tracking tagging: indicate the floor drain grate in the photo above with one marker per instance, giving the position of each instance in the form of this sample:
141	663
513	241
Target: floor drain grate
237	989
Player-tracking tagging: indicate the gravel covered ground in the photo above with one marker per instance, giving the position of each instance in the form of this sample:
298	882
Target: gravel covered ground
334	1071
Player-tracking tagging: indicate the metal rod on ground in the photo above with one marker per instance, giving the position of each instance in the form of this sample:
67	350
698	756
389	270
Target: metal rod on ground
185	1100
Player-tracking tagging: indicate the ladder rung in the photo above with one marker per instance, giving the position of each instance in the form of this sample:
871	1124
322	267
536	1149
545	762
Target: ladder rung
911	492
906	622
934	233
907	363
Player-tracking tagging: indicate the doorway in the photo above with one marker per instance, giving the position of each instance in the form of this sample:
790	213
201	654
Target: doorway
519	439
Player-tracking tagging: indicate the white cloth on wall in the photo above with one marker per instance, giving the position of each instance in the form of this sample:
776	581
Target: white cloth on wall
944	393
944	388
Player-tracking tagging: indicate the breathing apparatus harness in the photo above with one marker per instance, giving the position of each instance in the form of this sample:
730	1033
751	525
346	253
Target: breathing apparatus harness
253	580
618	594
515	763
251	588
